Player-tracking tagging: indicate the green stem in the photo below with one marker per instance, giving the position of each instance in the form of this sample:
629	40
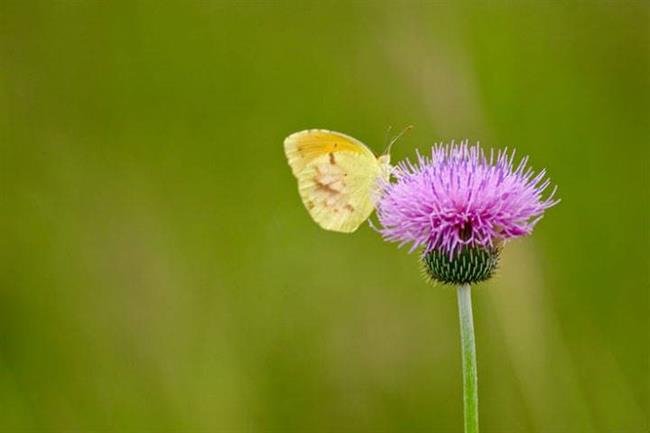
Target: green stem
468	350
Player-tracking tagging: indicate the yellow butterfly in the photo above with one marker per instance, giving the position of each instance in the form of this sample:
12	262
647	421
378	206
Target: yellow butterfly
337	176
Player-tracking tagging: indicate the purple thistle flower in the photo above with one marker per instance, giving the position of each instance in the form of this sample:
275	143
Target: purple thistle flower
461	197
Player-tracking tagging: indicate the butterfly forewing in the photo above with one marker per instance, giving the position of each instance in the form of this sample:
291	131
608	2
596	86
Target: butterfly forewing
336	176
303	147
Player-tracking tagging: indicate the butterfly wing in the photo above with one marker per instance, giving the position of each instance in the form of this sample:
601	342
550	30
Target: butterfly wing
303	147
336	177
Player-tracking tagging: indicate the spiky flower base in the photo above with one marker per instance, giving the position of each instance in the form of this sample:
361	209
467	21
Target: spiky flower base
471	265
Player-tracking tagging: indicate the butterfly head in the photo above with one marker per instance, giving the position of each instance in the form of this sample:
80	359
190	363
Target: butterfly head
384	167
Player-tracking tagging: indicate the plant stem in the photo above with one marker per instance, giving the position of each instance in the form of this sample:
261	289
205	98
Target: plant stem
468	351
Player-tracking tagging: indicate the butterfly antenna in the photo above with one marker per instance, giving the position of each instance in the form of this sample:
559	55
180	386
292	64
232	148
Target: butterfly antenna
388	131
397	137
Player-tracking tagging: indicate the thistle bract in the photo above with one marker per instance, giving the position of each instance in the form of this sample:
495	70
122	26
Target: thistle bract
471	265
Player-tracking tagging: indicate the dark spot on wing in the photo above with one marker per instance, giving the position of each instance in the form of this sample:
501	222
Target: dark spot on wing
332	159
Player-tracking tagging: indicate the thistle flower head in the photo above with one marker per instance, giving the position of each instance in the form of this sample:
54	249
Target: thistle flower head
462	198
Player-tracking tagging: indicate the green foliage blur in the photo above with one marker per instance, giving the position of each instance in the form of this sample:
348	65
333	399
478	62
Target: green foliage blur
158	271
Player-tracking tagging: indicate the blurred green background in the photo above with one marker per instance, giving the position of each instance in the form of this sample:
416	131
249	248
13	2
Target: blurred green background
159	273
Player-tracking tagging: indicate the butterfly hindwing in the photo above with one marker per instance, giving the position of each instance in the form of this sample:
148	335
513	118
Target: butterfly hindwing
337	195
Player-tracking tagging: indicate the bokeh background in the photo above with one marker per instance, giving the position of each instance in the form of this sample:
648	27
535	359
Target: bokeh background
159	273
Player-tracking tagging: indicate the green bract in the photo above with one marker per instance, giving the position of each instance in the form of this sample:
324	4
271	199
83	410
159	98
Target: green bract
471	265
